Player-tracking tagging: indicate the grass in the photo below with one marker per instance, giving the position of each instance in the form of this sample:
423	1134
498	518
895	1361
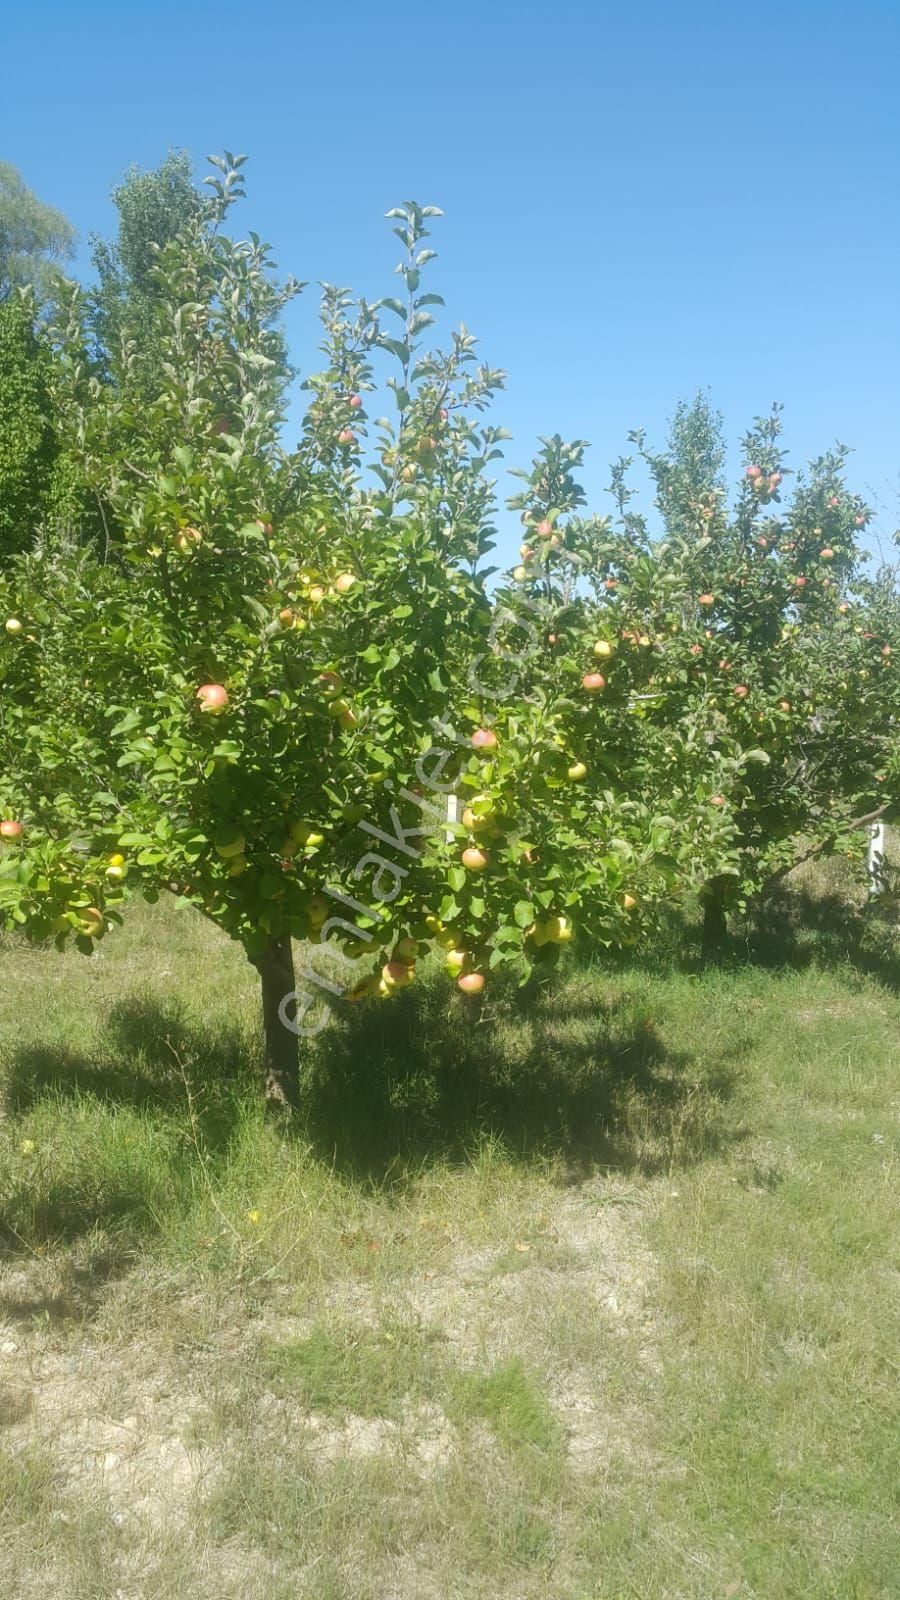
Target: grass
595	1296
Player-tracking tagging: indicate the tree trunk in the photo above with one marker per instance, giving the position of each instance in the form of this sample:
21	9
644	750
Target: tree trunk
282	1061
715	922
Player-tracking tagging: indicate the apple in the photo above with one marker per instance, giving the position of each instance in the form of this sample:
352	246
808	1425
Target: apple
237	866
482	818
754	472
833	500
90	921
408	473
11	829
827	554
213	698
740	691
301	831
484	739
556	930
799	583
544	529
344	582
470	983
843	608
230	842
346	437
338	707
860	521
520	575
355	402
577	771
317	910
406	950
455	960
885	649
186	538
774	480
784	705
362	990
696	650
610	583
629	903
286	617
13	625
603	649
398	973
316	594
473	859
706	600
593	682
717	799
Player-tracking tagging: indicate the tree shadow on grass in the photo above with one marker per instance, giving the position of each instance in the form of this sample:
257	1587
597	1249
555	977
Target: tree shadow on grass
792	928
152	1059
789	928
388	1090
392	1088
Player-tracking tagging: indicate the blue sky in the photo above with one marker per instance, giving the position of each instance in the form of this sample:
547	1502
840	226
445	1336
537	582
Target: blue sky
640	200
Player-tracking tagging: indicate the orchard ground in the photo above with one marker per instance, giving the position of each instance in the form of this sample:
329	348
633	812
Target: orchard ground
590	1293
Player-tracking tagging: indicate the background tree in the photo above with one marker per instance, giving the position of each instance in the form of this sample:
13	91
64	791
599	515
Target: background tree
152	208
34	239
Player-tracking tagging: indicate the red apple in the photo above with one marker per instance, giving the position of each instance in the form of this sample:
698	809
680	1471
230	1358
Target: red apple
544	529
473	859
484	739
10	829
696	649
706	600
355	401
398	973
346	437
754	472
213	698
827	554
593	682
860	521
740	691
799	583
610	583
470	983
717	799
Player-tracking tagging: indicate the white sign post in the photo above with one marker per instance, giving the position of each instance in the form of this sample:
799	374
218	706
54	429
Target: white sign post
876	860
